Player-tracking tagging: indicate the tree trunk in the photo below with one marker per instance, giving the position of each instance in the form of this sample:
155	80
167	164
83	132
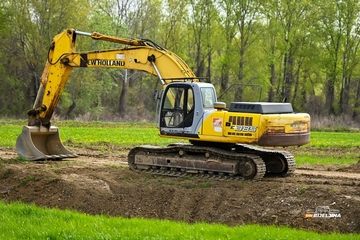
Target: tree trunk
356	110
224	78
344	96
271	93
243	43
330	95
123	96
288	76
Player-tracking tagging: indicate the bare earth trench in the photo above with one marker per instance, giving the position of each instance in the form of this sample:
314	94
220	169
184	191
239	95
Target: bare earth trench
101	183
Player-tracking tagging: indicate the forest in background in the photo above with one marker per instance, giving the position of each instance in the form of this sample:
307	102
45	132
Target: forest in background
304	51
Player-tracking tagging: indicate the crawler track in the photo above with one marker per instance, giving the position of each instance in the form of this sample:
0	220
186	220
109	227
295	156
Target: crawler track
241	162
278	162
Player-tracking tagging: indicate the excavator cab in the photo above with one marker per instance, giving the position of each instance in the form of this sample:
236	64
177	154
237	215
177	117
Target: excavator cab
184	105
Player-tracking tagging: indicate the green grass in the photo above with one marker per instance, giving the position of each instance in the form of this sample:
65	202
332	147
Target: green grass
126	137
90	133
319	159
8	135
338	149
132	134
334	140
20	221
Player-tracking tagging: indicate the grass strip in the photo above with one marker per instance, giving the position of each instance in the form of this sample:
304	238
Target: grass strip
20	221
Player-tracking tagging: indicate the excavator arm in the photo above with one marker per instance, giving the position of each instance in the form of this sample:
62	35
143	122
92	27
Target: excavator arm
39	140
143	55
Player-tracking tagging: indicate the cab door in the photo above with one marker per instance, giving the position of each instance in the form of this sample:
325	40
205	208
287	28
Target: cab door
177	109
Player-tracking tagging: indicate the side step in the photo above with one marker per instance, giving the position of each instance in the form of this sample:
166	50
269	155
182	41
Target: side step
40	143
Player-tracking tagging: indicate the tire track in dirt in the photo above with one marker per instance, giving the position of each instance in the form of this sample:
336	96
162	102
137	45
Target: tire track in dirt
327	174
310	177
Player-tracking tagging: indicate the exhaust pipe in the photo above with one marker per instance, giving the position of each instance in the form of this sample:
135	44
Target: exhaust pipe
41	143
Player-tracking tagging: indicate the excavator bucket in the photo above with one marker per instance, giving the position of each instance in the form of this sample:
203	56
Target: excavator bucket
40	143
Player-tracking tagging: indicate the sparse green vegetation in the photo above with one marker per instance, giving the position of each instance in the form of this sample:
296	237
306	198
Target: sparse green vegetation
206	184
27	179
302	190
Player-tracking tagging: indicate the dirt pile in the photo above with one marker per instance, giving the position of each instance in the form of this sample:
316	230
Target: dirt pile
97	183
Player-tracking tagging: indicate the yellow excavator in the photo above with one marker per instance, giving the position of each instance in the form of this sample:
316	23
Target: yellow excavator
222	141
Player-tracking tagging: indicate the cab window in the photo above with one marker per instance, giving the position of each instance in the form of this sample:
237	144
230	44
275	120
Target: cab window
208	97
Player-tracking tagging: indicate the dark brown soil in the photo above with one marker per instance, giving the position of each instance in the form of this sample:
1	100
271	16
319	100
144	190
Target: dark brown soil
101	183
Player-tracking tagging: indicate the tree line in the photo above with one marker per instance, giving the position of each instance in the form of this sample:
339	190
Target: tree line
301	51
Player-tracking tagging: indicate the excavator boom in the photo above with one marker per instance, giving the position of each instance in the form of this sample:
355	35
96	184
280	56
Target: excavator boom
39	140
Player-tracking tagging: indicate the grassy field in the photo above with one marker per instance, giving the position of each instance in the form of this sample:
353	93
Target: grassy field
20	221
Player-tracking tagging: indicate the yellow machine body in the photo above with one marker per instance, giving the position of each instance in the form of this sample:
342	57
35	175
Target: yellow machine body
250	128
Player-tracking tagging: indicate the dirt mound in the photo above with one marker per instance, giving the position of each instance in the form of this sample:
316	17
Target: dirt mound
98	183
353	168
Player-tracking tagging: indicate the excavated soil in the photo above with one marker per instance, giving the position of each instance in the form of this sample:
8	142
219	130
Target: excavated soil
100	182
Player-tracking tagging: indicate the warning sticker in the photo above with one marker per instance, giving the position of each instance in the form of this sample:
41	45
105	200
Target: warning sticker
217	122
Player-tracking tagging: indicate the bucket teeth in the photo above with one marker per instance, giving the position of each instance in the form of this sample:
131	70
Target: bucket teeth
40	143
